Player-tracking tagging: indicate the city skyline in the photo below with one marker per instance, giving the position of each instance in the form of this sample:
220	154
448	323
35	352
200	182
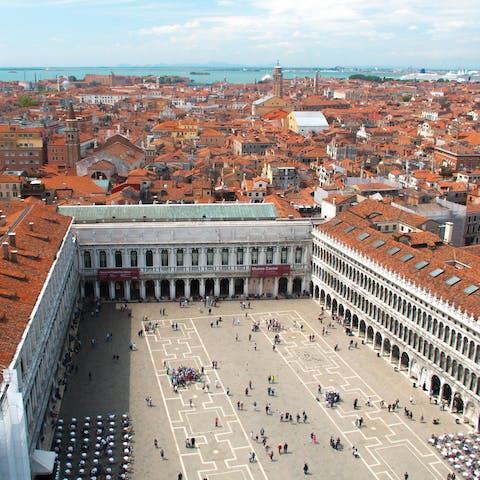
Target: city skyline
249	32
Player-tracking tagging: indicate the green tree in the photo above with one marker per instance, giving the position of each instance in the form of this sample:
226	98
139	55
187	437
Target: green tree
25	101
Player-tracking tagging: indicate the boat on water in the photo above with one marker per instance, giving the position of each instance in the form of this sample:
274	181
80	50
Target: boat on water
199	73
12	71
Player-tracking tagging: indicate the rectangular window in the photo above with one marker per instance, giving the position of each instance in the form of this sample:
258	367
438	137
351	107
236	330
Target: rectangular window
284	255
298	255
254	256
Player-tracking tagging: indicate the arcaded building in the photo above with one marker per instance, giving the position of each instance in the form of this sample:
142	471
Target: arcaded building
411	296
168	252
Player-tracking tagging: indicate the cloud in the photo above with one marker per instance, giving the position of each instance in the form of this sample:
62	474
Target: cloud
168	29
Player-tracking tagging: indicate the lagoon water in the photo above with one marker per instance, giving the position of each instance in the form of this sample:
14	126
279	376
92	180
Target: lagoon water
202	75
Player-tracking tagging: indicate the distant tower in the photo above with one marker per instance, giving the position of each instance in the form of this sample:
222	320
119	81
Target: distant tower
315	83
278	81
72	152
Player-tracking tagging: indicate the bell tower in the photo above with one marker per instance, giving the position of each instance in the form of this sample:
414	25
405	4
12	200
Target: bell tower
278	81
72	143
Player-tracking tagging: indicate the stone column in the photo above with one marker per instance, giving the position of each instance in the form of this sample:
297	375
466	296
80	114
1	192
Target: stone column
245	287
231	287
82	289
187	287
126	288
97	289
216	287
290	285
172	289
202	287
142	289
260	286
157	288
112	290
275	286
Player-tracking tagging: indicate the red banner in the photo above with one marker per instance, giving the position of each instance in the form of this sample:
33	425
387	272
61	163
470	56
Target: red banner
118	273
269	270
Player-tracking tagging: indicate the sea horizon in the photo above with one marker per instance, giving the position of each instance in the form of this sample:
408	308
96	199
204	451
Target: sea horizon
203	74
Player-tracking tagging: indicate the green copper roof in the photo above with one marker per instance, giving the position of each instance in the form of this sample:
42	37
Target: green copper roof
170	213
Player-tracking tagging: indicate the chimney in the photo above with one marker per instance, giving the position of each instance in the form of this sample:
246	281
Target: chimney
13	255
30	226
3	220
12	239
448	232
5	250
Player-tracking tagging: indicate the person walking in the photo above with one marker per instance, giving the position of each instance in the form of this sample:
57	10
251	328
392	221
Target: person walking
285	447
305	468
162	454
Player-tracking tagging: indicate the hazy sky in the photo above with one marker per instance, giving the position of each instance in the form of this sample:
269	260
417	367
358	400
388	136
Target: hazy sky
420	33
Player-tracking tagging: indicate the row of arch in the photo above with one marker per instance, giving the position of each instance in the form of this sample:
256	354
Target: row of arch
444	333
401	355
391	299
179	288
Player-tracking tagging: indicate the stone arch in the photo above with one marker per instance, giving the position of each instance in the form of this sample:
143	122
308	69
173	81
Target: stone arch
89	289
209	287
316	292
387	346
378	341
362	328
395	354
457	405
404	361
283	285
119	290
165	288
447	393
370	334
355	323
150	289
239	286
179	288
224	287
195	287
297	286
435	385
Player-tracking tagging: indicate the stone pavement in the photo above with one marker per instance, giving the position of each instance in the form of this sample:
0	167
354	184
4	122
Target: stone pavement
389	444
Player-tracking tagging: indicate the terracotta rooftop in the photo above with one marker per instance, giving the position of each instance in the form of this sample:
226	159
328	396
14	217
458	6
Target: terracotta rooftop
22	281
448	272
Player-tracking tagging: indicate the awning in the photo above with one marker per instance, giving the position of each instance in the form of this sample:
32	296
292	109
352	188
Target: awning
43	462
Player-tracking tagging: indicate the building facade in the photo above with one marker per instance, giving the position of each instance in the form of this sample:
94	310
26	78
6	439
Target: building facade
419	308
39	290
21	148
147	257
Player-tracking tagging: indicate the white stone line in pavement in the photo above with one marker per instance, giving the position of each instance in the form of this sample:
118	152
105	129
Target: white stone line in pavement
165	406
327	414
373	394
249	445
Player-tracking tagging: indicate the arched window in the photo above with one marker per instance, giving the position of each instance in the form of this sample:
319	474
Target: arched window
180	257
254	256
239	256
209	256
269	256
87	259
149	258
194	256
118	259
164	256
224	256
102	258
133	258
